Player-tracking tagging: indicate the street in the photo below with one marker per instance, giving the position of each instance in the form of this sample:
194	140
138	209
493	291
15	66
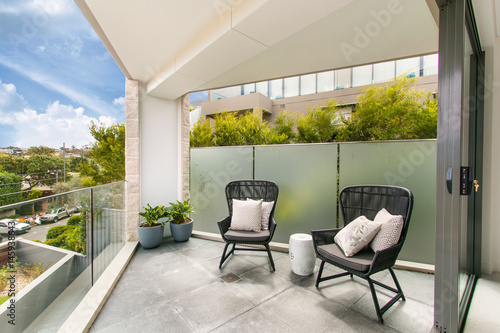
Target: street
38	232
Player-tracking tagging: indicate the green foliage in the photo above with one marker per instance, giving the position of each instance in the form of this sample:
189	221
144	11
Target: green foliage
108	152
34	194
74	220
55	232
232	129
179	212
34	271
40	150
151	215
201	134
226	130
321	124
10	183
283	130
69	237
394	111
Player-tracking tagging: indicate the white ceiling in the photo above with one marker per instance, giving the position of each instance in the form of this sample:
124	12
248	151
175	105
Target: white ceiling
178	46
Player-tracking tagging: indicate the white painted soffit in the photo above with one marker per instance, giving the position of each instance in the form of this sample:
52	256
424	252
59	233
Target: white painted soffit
180	46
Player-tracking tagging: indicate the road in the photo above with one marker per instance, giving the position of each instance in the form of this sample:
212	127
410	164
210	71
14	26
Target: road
38	232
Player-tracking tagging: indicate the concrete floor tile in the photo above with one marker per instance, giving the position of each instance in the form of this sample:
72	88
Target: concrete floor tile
303	310
160	318
253	321
418	286
355	322
259	284
213	306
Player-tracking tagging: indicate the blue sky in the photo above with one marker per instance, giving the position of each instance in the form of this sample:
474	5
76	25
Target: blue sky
55	76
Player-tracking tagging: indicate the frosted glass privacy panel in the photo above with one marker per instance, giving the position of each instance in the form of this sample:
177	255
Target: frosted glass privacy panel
411	164
211	170
307	180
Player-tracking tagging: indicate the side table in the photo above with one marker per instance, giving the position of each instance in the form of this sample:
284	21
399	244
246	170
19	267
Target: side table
301	251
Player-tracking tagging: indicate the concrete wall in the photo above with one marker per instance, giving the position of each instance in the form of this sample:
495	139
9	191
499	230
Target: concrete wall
159	149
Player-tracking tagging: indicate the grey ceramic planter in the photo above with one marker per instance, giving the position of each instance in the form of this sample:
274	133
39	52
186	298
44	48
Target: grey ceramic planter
181	232
150	237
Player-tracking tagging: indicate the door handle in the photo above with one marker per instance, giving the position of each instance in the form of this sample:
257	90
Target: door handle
449	179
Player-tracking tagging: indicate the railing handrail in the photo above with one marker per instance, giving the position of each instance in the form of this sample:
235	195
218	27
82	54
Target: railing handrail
14	205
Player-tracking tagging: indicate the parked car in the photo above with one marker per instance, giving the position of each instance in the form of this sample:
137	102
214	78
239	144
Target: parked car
54	215
10	224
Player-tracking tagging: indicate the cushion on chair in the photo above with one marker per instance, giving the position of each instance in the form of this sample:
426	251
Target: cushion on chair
247	215
359	262
357	235
389	232
235	235
267	207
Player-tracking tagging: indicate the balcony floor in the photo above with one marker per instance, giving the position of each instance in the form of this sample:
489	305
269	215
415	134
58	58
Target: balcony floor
177	287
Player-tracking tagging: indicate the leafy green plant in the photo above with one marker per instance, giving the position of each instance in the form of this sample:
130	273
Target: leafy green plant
74	220
151	215
34	271
178	212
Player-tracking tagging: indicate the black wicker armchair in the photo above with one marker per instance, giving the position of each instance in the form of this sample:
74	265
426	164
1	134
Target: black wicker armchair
366	200
243	190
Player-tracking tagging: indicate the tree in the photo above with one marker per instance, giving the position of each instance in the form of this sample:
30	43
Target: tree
10	188
283	129
394	111
108	152
321	124
40	150
201	134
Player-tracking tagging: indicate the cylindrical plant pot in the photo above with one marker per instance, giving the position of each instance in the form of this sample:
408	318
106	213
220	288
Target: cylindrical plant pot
150	237
181	232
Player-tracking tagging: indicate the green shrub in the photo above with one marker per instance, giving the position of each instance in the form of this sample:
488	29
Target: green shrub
55	232
74	220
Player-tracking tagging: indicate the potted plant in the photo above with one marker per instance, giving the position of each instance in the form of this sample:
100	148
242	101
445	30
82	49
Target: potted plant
181	225
150	230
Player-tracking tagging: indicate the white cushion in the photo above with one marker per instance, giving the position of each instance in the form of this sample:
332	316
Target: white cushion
247	215
357	235
389	233
267	207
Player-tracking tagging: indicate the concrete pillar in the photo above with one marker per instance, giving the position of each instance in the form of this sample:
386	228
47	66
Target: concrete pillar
132	160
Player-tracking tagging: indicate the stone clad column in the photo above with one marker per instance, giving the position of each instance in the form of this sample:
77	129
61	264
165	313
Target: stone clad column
184	145
132	160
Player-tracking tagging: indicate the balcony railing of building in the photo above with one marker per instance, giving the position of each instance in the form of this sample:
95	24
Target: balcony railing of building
47	302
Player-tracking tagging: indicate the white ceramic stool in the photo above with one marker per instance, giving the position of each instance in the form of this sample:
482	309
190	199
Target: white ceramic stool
301	251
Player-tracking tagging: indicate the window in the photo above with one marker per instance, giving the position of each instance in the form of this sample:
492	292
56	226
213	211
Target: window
276	89
362	75
325	81
408	66
342	78
431	64
291	86
384	71
262	87
248	88
308	84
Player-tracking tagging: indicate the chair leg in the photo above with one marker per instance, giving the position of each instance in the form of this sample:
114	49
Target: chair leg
375	300
224	255
396	282
270	257
318	279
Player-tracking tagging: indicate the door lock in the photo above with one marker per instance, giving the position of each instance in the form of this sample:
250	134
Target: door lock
476	184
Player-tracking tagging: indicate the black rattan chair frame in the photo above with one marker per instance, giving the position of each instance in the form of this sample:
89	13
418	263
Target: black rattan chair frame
255	190
368	200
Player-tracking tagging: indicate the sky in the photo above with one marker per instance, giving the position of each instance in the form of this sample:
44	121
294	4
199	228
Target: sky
56	76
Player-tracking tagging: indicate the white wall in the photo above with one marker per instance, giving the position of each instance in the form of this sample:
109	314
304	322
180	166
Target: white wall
159	149
491	179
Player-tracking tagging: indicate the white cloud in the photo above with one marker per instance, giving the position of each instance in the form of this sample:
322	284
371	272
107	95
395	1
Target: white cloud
120	102
57	124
